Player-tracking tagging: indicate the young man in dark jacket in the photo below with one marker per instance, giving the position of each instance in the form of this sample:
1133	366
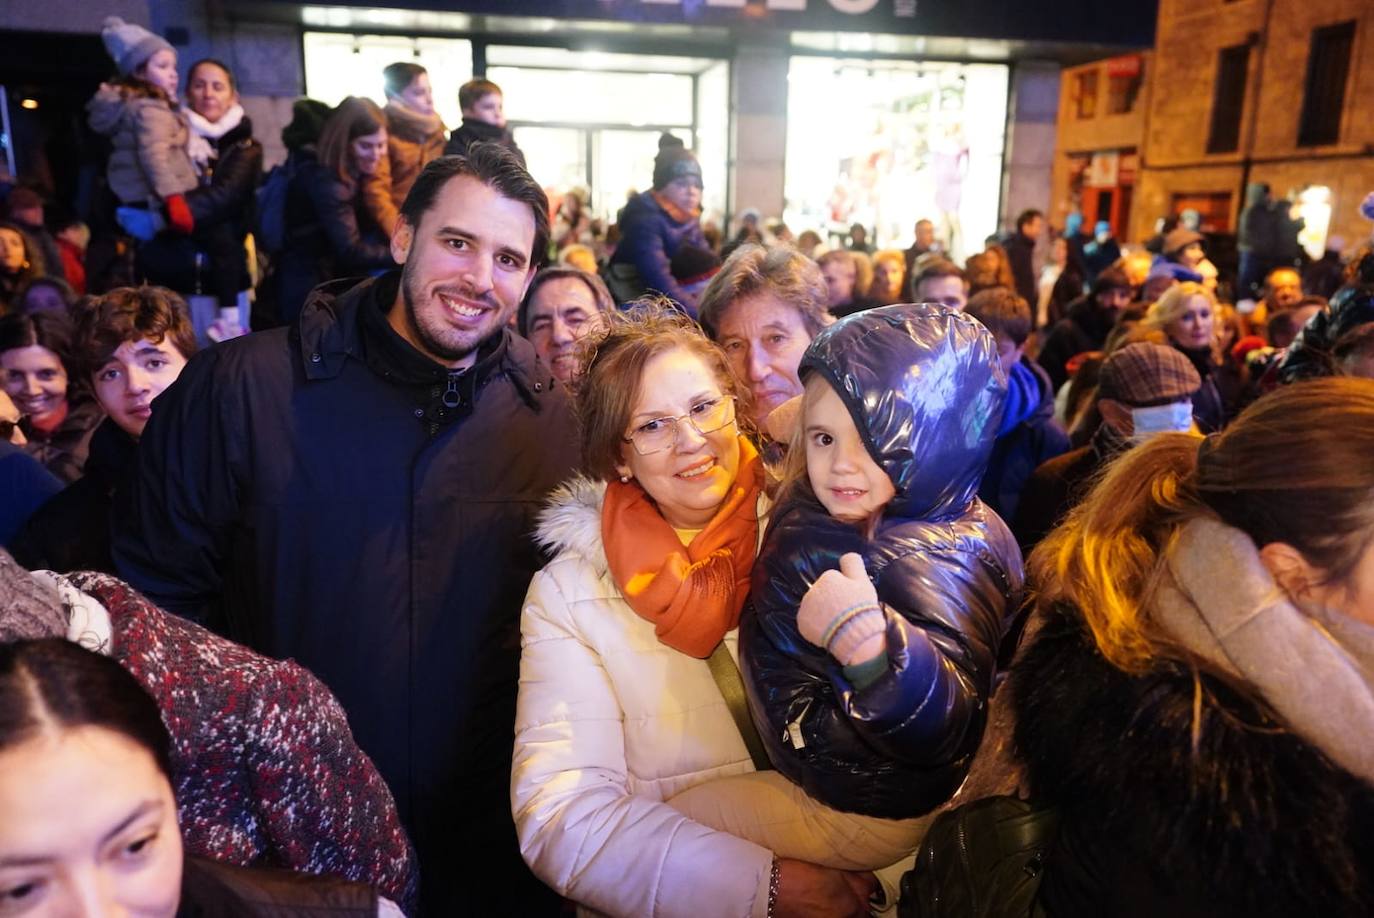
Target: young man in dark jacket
484	119
1085	326
1028	435
356	492
1030	224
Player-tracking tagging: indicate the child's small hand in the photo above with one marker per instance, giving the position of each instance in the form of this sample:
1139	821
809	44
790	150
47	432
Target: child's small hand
841	614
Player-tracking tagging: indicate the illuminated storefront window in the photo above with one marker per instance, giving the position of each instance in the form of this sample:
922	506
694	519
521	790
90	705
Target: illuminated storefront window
339	65
584	119
886	143
592	119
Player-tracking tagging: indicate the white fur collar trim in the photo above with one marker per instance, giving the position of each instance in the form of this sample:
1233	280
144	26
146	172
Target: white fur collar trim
571	521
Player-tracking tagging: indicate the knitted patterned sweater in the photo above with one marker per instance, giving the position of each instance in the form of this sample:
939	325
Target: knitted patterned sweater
266	771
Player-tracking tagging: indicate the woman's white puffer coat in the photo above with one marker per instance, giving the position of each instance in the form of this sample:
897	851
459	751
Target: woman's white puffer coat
610	724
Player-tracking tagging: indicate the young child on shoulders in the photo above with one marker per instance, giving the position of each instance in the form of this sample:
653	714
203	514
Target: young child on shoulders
150	164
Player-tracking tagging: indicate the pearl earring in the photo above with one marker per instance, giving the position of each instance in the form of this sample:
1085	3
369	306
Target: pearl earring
624	479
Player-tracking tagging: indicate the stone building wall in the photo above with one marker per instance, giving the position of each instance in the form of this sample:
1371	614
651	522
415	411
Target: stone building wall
1189	38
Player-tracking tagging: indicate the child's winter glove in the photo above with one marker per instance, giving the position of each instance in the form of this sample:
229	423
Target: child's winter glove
140	223
179	215
841	614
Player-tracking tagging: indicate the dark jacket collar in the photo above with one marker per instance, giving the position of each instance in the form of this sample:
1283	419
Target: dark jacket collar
241	133
113	455
484	131
346	319
1106	443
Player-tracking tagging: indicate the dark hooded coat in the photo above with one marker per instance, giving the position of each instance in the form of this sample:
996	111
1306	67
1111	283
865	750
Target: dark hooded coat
923	386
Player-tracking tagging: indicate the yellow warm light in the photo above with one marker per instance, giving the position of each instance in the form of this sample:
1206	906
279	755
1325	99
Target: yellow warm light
28	103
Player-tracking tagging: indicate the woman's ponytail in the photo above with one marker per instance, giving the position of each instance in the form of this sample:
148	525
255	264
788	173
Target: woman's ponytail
1104	557
1294	468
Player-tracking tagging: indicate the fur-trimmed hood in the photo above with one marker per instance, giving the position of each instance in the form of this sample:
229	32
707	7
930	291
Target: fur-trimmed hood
571	521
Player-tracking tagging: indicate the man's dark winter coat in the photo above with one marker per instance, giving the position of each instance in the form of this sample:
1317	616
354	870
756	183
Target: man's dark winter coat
471	132
327	493
71	532
1084	328
1021	253
1059	484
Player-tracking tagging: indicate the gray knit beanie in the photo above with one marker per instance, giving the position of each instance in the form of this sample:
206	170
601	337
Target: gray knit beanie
130	45
29	608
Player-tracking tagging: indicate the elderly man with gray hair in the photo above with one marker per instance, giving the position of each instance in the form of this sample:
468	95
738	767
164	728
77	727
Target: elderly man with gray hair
763	308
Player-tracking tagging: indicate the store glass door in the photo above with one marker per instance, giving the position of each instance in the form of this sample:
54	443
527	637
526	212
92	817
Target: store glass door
592	120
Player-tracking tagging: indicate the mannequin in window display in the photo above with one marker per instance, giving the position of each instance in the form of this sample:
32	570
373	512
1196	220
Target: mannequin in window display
949	157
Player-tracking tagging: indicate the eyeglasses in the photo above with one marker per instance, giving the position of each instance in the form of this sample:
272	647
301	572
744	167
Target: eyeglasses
7	428
661	433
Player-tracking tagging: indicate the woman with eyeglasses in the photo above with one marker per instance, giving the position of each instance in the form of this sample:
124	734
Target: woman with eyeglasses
36	370
629	643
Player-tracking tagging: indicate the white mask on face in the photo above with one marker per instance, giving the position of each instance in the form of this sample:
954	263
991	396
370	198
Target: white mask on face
1175	417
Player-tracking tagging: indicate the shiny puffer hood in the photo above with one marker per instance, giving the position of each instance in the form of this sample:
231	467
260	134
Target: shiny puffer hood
926	392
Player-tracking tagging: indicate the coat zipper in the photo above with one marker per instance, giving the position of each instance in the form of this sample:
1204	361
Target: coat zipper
452	398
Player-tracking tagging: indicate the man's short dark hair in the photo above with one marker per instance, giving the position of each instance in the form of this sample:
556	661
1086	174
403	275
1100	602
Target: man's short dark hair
398	76
600	295
494	166
1002	312
1110	279
930	269
1027	216
473	91
1282	326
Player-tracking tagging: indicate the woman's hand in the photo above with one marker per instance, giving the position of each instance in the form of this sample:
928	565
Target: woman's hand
840	614
811	891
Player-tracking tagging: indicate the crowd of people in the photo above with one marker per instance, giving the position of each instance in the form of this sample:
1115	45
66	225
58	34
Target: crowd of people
516	562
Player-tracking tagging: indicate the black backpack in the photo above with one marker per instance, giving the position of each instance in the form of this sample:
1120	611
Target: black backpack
981	860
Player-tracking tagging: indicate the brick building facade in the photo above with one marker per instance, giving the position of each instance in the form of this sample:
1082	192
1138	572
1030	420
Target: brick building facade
1253	91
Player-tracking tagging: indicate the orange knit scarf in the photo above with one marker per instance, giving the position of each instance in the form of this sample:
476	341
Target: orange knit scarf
692	594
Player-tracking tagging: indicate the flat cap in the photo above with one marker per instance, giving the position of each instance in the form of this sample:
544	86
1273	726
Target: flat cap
1144	375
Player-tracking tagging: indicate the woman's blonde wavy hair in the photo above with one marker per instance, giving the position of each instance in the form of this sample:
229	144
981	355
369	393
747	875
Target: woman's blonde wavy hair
1295	467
